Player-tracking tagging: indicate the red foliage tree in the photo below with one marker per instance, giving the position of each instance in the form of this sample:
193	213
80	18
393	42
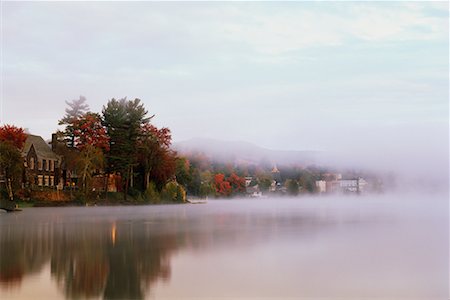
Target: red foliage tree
158	161
88	130
165	168
162	137
237	183
223	187
13	135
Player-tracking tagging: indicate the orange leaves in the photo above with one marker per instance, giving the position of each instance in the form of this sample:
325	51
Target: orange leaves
88	130
13	135
162	136
231	185
223	188
237	183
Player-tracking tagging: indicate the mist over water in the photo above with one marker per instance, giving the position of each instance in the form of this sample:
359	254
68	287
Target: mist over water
353	247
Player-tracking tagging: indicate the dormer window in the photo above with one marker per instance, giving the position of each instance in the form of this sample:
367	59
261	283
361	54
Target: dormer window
32	163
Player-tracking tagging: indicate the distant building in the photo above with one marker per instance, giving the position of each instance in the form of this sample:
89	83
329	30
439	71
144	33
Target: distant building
335	183
248	180
276	174
254	191
354	185
321	186
42	165
333	186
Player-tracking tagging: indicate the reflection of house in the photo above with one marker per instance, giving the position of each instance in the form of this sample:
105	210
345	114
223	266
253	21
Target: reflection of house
42	165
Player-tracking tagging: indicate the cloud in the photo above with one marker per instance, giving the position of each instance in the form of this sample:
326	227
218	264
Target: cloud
304	25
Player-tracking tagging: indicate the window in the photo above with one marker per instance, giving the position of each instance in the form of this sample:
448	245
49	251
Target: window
46	180
52	180
40	164
44	165
51	165
32	163
40	180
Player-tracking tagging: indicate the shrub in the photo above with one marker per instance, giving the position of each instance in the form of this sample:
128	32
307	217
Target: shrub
172	191
151	193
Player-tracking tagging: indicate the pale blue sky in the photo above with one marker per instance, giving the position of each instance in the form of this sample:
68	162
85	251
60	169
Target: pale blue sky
291	75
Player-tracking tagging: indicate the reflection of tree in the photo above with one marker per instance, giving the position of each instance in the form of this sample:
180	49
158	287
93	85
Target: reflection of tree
117	261
109	261
79	264
22	252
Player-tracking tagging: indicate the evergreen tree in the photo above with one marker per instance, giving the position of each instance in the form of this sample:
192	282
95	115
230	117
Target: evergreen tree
76	108
123	120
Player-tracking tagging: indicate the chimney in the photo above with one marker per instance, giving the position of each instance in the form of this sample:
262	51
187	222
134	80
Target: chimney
54	141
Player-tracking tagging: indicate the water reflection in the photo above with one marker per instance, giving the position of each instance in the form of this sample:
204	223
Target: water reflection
124	252
87	260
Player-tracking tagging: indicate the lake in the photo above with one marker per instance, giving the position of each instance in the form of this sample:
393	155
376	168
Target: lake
371	247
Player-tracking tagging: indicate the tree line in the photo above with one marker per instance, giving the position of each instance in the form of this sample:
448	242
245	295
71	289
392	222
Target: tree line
121	140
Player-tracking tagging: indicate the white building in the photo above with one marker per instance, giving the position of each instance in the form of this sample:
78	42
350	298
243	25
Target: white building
355	185
321	186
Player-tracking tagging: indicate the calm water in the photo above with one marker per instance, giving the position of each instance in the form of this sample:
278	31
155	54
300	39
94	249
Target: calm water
392	247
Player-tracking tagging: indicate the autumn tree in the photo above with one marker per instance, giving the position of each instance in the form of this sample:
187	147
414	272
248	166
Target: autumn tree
12	140
155	156
90	160
88	130
164	171
223	187
237	183
13	135
76	108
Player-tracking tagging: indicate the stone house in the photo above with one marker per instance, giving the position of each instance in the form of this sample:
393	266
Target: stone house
42	165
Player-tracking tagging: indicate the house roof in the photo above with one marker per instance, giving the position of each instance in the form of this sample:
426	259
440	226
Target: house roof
43	150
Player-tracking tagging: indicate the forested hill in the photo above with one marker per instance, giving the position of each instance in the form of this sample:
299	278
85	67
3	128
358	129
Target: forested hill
240	151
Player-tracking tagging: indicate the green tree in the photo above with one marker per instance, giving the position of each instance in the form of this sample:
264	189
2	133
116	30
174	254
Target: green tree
123	120
292	187
264	181
206	190
11	166
182	171
172	191
307	182
151	193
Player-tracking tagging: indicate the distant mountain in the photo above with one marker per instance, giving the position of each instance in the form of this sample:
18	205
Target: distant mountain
240	151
